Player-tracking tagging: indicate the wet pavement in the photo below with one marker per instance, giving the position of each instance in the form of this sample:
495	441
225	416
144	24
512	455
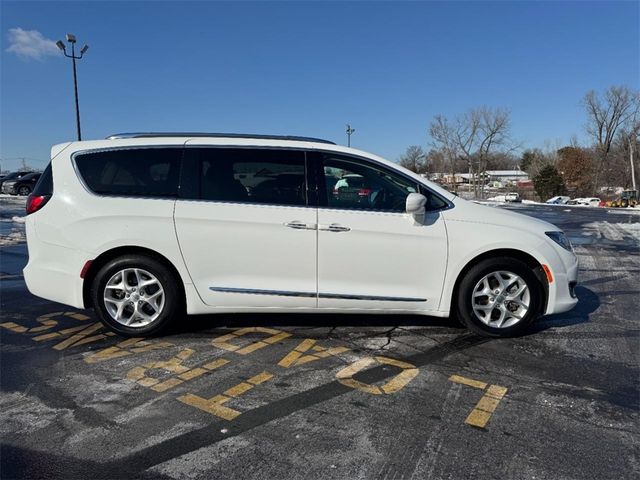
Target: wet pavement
332	396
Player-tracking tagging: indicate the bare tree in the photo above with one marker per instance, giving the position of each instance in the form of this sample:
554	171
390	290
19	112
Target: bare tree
623	156
606	114
444	138
414	158
475	136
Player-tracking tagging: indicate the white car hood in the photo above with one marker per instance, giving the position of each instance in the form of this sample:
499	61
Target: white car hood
467	211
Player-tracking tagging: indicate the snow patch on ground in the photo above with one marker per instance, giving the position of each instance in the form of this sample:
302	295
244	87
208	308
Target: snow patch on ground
635	210
12	220
613	231
631	229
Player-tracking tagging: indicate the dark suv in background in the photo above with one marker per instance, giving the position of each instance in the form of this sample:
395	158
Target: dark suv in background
13	176
21	186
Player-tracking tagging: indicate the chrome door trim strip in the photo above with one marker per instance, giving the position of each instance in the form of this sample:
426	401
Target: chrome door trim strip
371	297
253	291
286	293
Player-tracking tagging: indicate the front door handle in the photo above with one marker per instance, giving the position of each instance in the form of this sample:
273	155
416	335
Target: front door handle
334	227
300	225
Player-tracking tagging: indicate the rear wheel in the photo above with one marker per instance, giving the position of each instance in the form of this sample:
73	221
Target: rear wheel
136	295
499	297
24	191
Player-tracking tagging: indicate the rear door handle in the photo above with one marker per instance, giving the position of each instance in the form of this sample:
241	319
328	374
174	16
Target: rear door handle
300	225
334	227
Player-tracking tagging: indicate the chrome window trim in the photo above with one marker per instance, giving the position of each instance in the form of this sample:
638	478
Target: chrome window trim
449	203
340	296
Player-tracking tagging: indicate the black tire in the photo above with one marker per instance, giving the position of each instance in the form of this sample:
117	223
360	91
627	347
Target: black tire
463	302
173	303
24	191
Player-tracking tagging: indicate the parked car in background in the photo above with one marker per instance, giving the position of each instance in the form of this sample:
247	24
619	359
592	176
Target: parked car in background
13	176
559	200
574	201
512	197
22	186
589	201
147	227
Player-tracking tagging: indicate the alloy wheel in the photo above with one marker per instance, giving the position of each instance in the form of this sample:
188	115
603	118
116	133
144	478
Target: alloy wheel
501	299
134	297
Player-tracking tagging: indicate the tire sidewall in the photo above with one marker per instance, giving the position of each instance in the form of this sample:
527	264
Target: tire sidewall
164	276
24	189
476	273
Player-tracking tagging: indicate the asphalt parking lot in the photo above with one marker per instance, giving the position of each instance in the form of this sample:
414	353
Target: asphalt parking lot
344	397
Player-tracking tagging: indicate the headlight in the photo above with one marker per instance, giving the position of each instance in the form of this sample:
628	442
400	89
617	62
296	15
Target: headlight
561	239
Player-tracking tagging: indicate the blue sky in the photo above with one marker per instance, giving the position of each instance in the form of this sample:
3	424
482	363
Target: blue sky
308	68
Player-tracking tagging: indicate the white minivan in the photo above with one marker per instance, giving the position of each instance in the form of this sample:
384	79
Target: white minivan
147	227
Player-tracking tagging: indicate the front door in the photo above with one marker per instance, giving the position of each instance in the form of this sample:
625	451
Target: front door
371	253
245	228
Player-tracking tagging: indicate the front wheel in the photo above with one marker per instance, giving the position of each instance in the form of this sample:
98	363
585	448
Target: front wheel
24	191
499	297
135	295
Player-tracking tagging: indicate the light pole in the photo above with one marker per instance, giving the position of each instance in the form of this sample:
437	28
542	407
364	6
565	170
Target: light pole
72	40
349	132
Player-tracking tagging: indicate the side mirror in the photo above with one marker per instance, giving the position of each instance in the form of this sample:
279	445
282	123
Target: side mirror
416	203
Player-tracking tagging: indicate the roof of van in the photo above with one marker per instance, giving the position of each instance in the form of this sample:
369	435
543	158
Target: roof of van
217	135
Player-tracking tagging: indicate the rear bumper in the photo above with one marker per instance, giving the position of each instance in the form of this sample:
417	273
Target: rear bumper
53	272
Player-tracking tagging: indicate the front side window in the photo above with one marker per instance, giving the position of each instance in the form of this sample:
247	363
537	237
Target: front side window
350	184
145	172
355	184
249	175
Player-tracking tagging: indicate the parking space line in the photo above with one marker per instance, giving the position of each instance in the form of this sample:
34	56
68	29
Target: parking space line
214	405
481	413
125	348
173	365
468	382
274	336
297	357
14	327
80	337
397	383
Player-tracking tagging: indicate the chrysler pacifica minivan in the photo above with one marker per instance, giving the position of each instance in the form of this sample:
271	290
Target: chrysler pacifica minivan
145	228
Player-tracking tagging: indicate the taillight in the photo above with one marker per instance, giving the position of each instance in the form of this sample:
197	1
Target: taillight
36	202
364	192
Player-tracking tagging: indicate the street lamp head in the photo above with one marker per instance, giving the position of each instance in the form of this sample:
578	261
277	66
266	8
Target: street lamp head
71	38
84	49
60	45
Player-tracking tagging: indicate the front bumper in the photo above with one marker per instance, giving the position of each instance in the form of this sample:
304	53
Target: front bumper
562	297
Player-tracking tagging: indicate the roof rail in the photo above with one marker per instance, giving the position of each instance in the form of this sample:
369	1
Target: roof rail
217	135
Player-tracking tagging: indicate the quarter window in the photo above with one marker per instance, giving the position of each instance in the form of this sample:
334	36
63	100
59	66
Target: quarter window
246	175
144	172
45	183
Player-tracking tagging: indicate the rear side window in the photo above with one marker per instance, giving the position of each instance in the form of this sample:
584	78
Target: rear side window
272	177
45	183
139	172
